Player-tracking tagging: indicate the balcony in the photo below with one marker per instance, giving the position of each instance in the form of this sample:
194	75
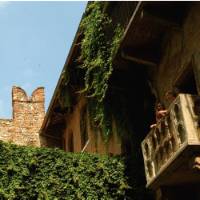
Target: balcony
171	150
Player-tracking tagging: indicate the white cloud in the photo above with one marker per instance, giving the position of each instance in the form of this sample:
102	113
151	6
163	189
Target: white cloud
4	4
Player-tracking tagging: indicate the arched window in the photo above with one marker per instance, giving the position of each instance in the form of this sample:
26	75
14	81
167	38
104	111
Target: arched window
70	141
83	127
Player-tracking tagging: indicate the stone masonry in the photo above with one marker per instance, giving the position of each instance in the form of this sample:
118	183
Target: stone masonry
28	115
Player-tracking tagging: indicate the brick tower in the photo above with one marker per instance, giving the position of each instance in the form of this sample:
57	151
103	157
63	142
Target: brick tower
28	115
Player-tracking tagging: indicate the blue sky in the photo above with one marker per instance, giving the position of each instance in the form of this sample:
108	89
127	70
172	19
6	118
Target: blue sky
35	38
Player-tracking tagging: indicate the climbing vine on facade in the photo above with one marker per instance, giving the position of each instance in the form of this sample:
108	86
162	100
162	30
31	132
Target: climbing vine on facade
98	47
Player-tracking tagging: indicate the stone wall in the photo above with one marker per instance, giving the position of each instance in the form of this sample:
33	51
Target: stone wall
179	48
180	56
28	115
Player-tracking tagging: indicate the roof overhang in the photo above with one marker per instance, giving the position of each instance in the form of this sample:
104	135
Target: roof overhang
141	42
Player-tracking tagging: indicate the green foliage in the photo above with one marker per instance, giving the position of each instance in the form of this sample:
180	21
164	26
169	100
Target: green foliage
64	96
28	173
101	117
98	47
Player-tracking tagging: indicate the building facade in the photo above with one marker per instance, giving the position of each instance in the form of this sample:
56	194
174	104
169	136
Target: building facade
158	53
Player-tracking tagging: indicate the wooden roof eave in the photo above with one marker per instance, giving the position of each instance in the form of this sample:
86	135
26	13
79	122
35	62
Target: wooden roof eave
60	80
71	54
132	22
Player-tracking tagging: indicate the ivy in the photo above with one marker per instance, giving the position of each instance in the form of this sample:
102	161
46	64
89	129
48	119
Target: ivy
40	173
98	47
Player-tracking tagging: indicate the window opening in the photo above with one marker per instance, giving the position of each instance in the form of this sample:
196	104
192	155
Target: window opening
186	82
71	142
83	127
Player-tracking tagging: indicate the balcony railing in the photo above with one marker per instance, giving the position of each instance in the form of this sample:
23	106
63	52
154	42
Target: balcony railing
167	142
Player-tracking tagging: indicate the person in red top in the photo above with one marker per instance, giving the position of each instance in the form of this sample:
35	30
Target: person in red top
160	110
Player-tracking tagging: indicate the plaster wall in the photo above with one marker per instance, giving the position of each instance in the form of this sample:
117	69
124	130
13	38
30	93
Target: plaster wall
96	143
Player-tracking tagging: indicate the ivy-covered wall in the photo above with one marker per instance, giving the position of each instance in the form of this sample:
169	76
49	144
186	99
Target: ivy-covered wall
101	40
113	96
78	124
42	173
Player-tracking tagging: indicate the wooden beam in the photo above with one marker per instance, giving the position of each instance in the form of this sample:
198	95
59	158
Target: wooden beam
131	23
159	19
133	17
138	60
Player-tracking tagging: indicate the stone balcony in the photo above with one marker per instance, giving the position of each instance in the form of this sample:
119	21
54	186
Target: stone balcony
171	150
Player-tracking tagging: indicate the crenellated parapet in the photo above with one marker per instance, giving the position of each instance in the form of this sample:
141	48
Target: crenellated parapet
18	94
28	107
38	95
28	115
